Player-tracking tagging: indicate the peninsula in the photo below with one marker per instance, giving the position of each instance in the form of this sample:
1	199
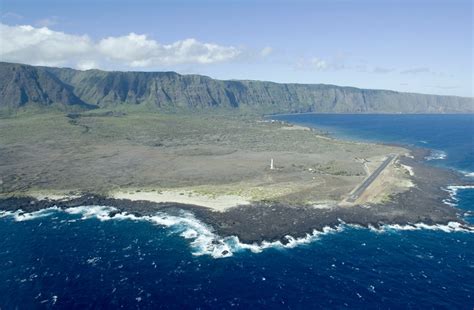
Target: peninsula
144	142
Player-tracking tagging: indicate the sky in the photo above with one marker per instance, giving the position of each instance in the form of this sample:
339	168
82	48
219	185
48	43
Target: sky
405	45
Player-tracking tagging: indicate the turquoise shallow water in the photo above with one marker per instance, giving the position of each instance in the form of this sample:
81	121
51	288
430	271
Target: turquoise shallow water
70	260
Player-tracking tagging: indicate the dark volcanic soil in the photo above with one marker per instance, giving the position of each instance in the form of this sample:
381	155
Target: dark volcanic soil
271	222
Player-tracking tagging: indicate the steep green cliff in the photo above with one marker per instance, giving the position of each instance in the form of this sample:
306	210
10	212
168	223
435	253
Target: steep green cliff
22	85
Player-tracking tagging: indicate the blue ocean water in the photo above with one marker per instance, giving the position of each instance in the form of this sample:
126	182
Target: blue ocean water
451	135
81	260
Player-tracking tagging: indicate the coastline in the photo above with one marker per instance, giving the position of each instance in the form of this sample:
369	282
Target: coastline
217	203
409	192
256	223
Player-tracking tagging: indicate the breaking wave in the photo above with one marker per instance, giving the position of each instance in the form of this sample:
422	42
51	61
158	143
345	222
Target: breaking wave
203	239
450	227
453	192
21	216
468	174
100	212
436	155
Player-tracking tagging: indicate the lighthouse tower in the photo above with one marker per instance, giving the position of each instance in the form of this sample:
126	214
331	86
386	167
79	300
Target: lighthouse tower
271	164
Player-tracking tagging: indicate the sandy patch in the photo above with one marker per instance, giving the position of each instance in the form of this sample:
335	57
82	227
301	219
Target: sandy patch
322	206
216	202
296	127
52	196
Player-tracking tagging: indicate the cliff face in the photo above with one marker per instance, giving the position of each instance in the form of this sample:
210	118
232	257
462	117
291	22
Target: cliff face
21	85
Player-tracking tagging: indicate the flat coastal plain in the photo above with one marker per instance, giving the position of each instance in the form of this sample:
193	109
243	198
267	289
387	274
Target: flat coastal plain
219	164
128	155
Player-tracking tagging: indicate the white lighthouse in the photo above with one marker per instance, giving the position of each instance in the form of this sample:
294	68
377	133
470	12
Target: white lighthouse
271	164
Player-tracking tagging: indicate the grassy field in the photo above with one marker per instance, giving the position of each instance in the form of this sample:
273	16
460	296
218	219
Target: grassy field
102	151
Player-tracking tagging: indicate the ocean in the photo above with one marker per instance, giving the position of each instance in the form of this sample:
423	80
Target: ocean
82	258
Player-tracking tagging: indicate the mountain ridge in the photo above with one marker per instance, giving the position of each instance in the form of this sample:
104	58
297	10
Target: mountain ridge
23	85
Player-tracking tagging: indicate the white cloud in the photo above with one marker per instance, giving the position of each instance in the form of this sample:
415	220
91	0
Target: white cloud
267	50
339	62
318	64
87	65
133	49
314	63
43	46
139	51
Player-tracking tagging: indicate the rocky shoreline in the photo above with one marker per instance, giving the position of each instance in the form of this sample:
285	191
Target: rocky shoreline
424	203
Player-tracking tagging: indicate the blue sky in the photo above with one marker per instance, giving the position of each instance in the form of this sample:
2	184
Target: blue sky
415	46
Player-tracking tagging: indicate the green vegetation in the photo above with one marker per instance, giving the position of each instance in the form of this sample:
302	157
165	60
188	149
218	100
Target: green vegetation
96	131
104	150
66	89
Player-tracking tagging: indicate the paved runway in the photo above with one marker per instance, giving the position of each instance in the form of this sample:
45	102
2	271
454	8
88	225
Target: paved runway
356	194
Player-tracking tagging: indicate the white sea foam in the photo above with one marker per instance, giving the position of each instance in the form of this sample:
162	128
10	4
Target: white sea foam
203	239
458	187
468	174
21	216
450	227
100	212
453	192
291	241
436	155
5	213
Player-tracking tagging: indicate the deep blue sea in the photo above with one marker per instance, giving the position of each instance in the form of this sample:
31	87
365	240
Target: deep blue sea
82	259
